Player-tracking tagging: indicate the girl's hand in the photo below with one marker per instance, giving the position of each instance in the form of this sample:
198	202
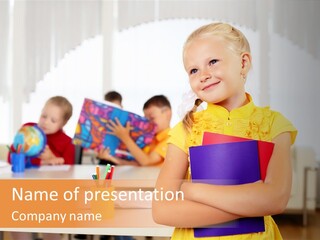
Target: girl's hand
190	190
117	129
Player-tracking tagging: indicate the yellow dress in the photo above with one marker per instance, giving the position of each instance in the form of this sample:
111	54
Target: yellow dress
248	121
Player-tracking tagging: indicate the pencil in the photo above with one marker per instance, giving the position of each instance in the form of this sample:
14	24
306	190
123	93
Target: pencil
94	176
98	172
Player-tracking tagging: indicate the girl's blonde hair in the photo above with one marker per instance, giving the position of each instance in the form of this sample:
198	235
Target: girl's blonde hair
236	41
64	104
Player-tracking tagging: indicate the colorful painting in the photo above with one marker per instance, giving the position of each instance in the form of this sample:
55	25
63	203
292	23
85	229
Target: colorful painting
91	130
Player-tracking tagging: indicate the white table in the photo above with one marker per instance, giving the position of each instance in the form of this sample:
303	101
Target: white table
141	177
83	172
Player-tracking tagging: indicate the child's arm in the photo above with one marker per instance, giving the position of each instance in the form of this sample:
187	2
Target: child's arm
123	133
48	158
254	199
182	213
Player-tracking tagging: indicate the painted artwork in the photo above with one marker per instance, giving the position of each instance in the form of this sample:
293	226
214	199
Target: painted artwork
91	130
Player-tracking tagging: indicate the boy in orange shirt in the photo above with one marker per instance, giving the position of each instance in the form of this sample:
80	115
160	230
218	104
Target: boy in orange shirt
158	110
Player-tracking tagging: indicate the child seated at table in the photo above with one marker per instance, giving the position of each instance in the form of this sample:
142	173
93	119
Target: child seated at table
158	110
113	98
59	149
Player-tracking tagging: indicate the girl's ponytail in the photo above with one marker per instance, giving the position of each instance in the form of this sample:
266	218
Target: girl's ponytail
188	118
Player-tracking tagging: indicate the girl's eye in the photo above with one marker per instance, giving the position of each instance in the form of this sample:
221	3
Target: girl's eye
193	71
213	61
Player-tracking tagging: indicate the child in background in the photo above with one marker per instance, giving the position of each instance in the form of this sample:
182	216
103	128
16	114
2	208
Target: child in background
158	110
116	99
54	116
217	60
59	149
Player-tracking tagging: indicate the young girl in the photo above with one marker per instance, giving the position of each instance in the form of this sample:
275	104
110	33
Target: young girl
217	60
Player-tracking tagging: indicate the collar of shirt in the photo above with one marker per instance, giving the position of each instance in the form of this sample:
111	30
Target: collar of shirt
241	112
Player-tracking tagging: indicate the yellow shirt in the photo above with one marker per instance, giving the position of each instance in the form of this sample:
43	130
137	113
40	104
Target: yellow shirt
159	144
248	121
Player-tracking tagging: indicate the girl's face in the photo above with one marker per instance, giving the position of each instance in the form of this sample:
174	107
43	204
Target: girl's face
51	118
215	70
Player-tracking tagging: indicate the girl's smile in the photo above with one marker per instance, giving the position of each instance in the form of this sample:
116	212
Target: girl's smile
210	86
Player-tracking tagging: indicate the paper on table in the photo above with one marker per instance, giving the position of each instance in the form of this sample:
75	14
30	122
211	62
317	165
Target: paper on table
52	168
5	167
4	163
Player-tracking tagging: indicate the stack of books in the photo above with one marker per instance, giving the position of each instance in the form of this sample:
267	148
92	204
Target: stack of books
229	160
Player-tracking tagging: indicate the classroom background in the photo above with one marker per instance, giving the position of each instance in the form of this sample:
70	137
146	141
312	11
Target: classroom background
83	49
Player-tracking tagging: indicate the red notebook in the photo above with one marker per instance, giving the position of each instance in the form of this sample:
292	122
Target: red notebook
265	148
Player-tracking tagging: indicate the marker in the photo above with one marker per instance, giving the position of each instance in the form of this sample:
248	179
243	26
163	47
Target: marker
98	172
111	173
9	148
107	171
94	176
18	148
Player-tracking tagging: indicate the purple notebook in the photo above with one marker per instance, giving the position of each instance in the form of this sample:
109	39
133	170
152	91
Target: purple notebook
227	164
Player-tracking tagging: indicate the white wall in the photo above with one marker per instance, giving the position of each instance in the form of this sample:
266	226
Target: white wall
77	76
295	86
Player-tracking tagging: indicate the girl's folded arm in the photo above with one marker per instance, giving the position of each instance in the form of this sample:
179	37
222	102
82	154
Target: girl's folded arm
181	212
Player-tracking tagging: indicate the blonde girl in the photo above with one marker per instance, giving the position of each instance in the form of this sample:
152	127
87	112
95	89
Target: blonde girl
217	60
